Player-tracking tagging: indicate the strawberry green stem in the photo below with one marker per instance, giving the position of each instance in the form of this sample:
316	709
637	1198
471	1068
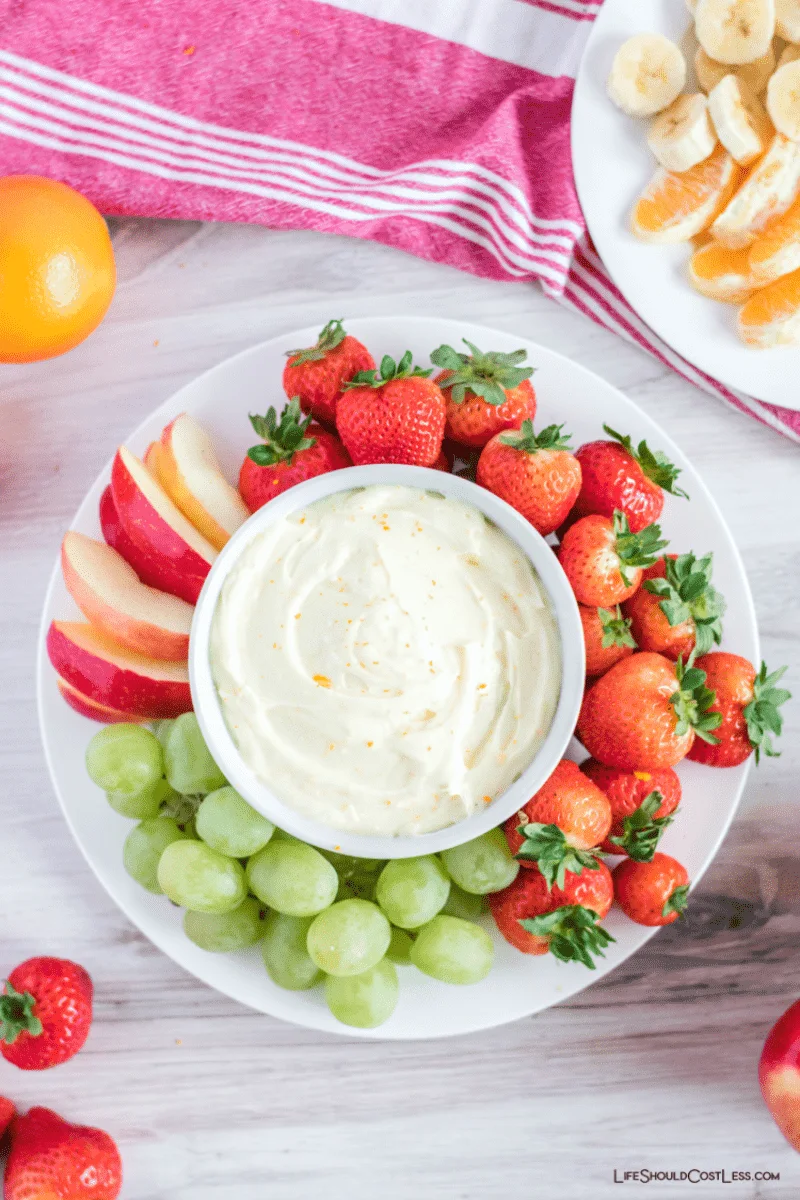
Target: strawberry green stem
389	370
488	375
762	716
550	438
693	702
17	1015
282	438
642	829
635	549
574	933
654	464
331	336
547	846
687	595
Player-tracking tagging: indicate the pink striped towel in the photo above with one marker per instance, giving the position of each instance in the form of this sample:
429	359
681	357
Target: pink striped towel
440	128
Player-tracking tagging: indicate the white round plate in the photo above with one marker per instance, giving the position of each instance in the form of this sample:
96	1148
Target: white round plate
518	985
612	164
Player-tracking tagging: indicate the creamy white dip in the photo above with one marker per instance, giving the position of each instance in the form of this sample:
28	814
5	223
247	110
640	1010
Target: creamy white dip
387	660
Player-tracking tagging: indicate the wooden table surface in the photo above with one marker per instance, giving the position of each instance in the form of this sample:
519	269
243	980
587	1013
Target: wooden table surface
652	1068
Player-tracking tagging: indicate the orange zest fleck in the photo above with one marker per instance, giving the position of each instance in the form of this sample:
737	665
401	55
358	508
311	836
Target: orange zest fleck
322	681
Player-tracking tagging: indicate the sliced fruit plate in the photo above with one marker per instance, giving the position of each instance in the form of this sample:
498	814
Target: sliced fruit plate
166	511
686	150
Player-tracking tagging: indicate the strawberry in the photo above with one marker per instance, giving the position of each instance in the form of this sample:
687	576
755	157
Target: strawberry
566	817
606	637
535	473
7	1113
617	476
293	450
637	820
318	374
645	713
442	463
536	918
396	415
53	1160
676	609
651	893
485	393
45	1013
603	560
747	704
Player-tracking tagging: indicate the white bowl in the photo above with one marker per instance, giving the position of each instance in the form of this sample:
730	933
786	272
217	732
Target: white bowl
224	749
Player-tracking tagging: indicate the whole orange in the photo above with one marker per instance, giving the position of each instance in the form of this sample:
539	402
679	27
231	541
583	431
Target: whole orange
57	272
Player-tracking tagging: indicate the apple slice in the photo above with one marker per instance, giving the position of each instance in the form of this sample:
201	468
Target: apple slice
157	526
187	468
90	708
108	591
115	677
155	573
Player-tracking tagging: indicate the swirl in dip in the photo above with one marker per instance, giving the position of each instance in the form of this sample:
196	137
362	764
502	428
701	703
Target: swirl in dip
386	660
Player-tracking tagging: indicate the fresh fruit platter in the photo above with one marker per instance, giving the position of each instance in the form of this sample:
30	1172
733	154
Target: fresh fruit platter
700	111
677	701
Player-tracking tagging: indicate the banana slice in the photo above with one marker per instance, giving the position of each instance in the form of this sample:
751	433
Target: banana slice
740	120
647	74
735	31
682	135
783	100
787	20
756	74
768	191
790	54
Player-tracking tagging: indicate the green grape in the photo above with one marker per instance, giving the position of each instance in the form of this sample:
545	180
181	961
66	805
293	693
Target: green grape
348	867
285	953
280	835
124	758
226	822
201	879
362	888
140	806
189	766
144	846
161	730
349	937
292	878
224	932
464	904
412	890
400	947
453	950
364	1000
483	865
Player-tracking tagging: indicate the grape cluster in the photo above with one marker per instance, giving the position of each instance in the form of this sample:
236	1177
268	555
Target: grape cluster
319	917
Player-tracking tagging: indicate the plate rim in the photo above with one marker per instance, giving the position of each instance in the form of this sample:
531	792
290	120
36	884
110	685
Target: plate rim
580	104
308	1018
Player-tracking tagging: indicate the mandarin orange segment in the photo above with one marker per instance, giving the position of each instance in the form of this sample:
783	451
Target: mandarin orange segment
722	274
777	251
676	207
771	317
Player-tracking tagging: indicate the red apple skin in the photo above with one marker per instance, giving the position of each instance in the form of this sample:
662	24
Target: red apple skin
96	712
151	571
779	1074
84	658
152	534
